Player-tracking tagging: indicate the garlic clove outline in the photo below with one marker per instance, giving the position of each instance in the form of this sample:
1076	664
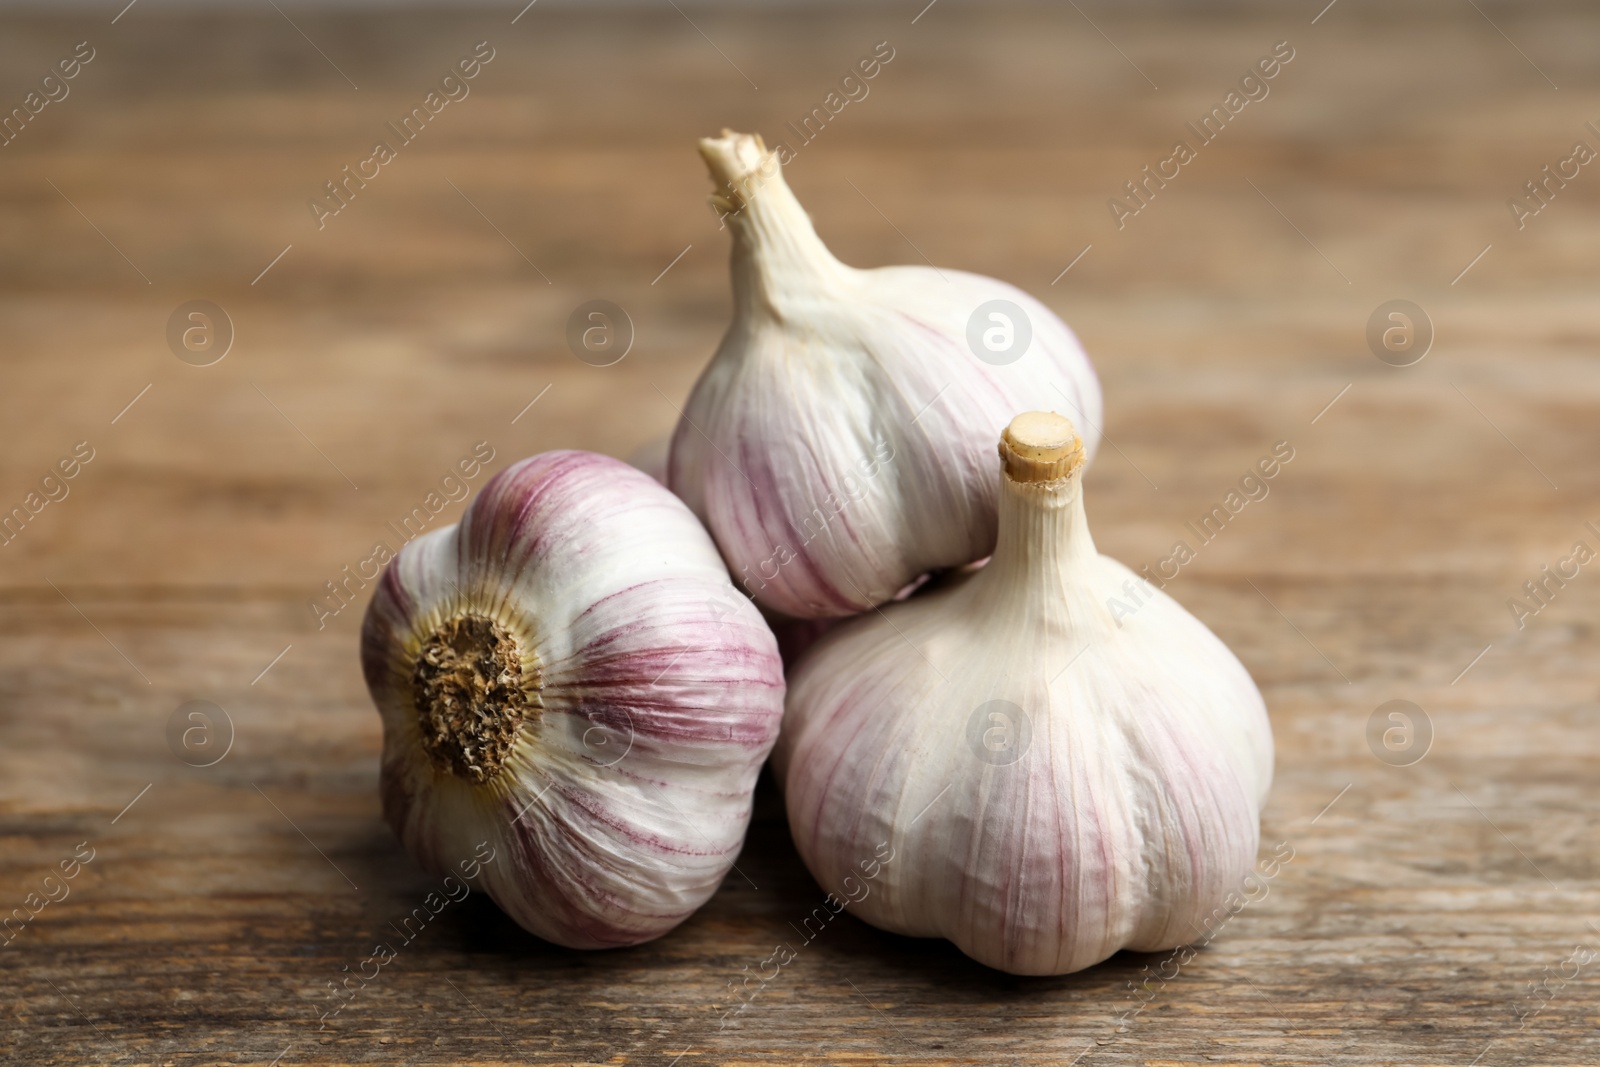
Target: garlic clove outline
1054	786
569	675
838	444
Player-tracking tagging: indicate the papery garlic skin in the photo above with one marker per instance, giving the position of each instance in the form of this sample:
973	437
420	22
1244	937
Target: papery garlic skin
649	693
1118	811
840	443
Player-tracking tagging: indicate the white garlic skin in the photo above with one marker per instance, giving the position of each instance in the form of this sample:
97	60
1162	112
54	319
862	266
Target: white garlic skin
1128	818
841	442
661	693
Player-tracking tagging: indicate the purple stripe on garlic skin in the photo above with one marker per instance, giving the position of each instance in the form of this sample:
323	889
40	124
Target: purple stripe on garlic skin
837	384
1127	817
652	693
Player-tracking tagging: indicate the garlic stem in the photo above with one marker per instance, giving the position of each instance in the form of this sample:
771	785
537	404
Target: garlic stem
777	255
1040	446
1043	531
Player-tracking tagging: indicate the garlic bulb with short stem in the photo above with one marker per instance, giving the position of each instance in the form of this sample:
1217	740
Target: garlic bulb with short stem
569	675
1056	782
838	445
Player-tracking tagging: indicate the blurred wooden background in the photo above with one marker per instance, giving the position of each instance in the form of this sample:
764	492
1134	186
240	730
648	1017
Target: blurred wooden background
1422	906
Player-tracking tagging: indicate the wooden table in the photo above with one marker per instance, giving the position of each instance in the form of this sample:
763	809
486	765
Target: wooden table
1424	902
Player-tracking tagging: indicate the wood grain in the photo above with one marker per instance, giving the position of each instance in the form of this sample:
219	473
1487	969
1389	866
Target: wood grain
1422	901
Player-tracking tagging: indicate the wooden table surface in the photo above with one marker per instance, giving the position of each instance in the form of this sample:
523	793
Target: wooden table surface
1444	912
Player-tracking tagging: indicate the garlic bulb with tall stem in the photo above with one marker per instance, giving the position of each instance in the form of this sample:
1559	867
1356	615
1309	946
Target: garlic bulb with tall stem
1055	782
837	446
570	676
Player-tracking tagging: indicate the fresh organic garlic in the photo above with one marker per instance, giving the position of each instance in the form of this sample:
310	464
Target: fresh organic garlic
837	445
569	675
1053	786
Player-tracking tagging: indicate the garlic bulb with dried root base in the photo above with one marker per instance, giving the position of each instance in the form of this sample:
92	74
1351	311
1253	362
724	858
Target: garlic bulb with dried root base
839	444
1053	786
570	675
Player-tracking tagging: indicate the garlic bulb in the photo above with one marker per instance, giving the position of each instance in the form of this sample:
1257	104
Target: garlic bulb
839	444
570	676
1053	786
